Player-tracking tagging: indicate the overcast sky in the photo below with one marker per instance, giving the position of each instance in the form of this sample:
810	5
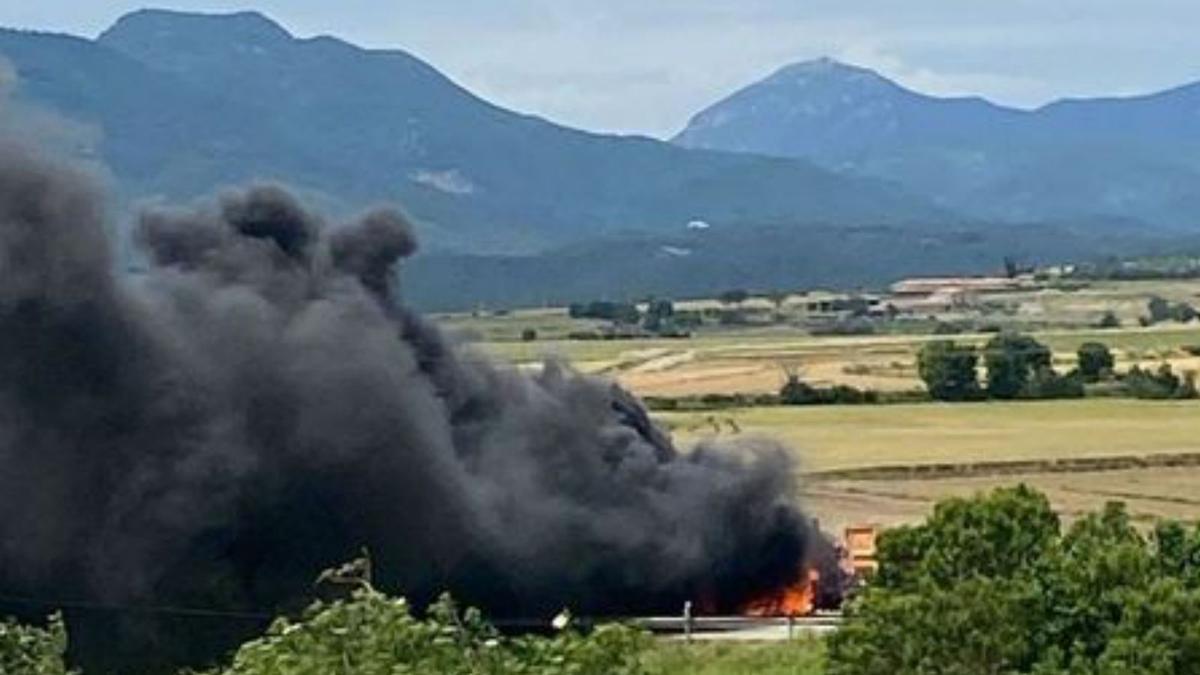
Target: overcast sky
645	66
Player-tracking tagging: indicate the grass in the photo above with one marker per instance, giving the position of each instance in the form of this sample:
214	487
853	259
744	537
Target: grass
838	437
799	657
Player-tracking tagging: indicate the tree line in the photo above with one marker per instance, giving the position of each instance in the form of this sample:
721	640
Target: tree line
1017	366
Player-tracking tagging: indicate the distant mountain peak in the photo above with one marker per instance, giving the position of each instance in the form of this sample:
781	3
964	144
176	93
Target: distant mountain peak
826	72
823	65
159	25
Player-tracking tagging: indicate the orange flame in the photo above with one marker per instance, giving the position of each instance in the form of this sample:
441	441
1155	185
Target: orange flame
795	599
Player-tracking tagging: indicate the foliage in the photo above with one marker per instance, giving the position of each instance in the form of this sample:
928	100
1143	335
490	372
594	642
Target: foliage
991	584
33	651
1011	359
1095	361
948	371
620	312
369	633
372	634
798	392
1160	310
1109	320
1160	384
659	316
1046	383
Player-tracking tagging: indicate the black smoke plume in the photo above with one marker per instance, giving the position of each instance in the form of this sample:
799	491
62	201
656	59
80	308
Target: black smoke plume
258	405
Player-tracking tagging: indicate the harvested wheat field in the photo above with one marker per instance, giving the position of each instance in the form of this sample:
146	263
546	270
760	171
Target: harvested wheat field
889	463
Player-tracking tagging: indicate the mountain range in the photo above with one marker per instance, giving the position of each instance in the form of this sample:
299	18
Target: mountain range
190	102
1135	158
823	173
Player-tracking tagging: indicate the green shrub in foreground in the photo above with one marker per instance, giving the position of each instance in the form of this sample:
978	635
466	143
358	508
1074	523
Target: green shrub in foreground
26	650
993	584
372	634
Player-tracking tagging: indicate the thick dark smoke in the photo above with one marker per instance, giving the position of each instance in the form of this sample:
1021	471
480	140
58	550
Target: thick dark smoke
258	406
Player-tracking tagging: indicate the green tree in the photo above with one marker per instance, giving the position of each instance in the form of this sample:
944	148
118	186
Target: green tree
948	371
979	626
994	536
1109	320
1160	384
1158	309
1095	361
1010	359
33	651
372	634
1046	383
991	584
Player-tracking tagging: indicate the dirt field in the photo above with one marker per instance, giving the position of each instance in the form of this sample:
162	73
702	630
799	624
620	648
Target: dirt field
1149	494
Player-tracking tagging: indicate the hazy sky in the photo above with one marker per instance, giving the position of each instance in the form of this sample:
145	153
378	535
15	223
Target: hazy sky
647	65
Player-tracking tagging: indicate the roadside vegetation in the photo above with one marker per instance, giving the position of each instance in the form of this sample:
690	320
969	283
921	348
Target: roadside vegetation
995	584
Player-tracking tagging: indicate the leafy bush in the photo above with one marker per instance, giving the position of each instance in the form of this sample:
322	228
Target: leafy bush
26	650
992	584
1160	384
369	633
1108	320
372	634
1011	359
1045	383
798	392
1095	361
948	371
709	402
1161	310
620	312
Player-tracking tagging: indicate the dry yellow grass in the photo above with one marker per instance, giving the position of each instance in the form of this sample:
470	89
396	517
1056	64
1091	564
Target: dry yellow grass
842	437
1149	494
838	437
755	362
